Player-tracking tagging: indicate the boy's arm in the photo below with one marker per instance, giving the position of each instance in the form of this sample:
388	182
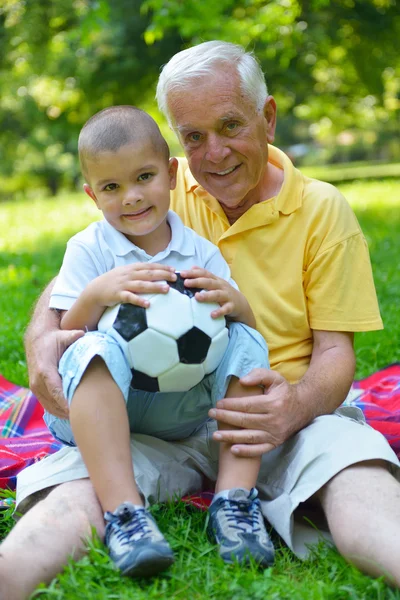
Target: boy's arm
84	314
121	284
232	303
214	277
243	311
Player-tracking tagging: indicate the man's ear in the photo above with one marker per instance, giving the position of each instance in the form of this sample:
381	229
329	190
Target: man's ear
88	190
269	111
172	170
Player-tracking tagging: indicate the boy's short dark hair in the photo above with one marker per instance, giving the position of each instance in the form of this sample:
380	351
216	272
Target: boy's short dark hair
116	126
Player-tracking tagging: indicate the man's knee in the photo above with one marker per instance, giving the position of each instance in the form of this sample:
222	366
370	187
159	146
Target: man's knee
352	481
79	499
74	503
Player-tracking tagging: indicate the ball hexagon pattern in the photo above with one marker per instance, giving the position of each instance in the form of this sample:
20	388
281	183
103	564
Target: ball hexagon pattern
171	345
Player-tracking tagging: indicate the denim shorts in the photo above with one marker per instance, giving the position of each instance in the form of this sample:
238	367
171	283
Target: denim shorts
168	416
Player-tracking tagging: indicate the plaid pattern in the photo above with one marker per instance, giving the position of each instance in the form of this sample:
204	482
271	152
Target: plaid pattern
24	438
378	396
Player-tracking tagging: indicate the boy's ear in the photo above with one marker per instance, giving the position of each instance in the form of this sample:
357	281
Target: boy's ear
172	170
88	190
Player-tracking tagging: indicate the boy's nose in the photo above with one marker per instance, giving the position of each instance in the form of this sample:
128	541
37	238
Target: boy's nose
132	196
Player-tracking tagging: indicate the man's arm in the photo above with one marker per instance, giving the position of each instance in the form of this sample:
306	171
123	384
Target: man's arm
44	346
267	420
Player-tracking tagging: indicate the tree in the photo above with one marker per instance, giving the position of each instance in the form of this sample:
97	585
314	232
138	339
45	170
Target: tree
333	66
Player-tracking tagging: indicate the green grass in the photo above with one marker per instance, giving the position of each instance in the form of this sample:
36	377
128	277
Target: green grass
34	234
350	171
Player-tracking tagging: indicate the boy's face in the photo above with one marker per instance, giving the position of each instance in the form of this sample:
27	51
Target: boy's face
131	187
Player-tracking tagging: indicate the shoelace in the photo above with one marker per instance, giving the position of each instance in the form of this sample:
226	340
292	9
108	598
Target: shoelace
241	515
129	524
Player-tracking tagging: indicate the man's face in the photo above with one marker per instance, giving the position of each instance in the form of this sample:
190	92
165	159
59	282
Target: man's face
131	187
224	138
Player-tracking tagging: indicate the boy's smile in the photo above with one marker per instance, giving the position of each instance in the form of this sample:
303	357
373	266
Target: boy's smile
131	187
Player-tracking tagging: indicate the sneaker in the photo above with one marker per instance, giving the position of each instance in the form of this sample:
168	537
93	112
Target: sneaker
135	543
237	525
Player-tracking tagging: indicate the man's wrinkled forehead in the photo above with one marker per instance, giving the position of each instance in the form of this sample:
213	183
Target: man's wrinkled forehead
214	101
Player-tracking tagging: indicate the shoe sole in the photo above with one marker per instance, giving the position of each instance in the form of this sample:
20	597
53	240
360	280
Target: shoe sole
149	563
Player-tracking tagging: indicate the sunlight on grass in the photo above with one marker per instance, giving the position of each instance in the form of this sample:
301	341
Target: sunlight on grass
31	224
363	195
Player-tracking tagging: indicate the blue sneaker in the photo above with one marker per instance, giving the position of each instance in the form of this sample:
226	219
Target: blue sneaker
135	543
237	526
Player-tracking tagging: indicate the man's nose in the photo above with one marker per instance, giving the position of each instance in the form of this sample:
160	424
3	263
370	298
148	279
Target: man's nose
216	149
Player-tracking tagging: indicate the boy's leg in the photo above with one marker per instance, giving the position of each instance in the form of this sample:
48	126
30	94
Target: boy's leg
100	426
236	471
236	521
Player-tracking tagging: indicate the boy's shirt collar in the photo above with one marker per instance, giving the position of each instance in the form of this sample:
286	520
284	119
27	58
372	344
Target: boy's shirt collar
180	243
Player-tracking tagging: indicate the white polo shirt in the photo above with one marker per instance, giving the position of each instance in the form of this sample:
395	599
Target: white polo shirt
100	248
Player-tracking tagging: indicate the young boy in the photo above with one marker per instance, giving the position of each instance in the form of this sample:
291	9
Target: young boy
136	249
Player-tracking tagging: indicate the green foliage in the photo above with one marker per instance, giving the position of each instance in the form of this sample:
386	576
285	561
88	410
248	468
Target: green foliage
6	514
63	61
334	67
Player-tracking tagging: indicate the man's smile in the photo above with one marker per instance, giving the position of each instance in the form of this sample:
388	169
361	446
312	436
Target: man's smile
225	172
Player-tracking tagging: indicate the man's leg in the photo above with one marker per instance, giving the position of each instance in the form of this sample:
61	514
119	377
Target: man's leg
362	506
39	545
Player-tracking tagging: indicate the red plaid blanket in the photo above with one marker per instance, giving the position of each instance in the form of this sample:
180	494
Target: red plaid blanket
378	396
24	438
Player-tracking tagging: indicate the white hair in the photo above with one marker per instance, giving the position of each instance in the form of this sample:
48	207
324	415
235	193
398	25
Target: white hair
200	61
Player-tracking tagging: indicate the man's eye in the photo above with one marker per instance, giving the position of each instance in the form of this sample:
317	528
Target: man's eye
110	187
194	137
145	176
232	126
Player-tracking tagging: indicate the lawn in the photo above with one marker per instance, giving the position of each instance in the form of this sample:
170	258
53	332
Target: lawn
34	233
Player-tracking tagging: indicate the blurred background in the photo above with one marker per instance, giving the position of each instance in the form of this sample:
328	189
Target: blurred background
333	67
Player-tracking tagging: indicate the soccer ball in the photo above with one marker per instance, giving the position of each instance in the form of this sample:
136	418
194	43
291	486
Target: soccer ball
171	345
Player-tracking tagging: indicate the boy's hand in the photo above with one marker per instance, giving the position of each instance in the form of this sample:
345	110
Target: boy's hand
123	284
214	289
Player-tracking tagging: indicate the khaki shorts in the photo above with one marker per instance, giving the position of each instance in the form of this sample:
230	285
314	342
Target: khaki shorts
289	475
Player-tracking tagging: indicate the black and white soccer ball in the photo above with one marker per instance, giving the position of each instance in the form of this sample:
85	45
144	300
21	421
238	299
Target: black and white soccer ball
171	345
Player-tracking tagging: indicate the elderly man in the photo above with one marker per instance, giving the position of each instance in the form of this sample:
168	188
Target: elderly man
297	252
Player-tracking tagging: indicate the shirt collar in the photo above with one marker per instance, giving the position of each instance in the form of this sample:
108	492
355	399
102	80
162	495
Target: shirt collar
290	195
180	241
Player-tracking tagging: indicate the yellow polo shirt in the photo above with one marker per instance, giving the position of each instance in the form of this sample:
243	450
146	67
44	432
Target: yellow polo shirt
300	258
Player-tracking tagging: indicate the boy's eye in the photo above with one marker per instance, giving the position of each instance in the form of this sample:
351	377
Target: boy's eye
145	176
110	187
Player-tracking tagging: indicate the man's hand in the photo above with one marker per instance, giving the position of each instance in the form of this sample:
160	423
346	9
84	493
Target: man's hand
265	421
43	356
282	409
